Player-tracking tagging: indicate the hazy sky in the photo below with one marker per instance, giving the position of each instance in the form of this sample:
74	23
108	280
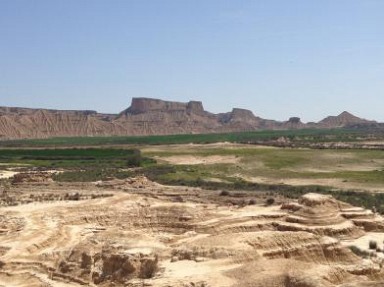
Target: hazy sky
278	58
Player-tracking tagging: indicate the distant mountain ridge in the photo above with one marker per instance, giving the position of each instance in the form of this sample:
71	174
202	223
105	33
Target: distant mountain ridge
344	119
147	116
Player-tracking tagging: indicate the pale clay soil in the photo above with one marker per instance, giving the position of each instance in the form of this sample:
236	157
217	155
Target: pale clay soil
7	174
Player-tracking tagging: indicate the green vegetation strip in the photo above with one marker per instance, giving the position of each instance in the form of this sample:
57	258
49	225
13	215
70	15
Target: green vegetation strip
299	136
87	158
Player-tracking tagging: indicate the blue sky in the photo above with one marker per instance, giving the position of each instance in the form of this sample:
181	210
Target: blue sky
277	58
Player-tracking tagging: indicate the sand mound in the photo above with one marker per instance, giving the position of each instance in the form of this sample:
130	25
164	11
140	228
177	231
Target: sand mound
320	214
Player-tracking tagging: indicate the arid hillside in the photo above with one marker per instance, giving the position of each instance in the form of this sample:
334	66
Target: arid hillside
146	117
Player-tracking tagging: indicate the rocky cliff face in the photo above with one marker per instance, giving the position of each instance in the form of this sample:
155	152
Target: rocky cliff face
145	116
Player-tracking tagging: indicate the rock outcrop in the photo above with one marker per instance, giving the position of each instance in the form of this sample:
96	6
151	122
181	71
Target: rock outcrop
367	219
106	264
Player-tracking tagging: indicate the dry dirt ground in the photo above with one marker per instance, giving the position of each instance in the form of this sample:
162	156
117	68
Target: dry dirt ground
7	174
138	233
190	159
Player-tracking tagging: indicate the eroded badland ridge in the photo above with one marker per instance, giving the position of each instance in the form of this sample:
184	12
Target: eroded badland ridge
147	116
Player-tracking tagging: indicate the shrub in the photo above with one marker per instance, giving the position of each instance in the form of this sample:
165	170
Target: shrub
356	250
224	193
372	244
178	198
252	201
270	201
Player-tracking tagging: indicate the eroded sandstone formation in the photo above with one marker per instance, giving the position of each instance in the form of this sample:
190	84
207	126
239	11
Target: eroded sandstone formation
320	214
91	262
145	234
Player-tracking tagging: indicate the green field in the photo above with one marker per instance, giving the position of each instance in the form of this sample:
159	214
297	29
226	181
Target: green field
75	164
300	137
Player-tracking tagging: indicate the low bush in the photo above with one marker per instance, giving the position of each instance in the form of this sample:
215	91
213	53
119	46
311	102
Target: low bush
372	244
252	202
224	193
270	201
361	253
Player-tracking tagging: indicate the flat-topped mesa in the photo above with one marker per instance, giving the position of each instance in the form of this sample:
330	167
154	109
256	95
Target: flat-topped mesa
294	120
195	107
238	115
293	123
144	105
